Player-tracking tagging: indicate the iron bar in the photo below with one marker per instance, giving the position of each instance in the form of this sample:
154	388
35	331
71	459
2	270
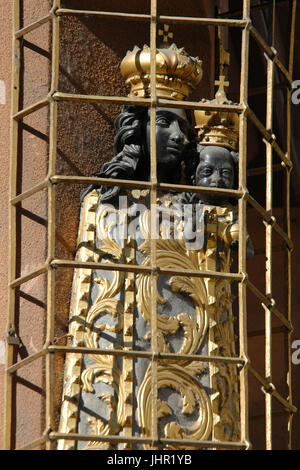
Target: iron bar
270	388
29	192
268	263
269	137
124	100
14	129
51	226
270	303
271	52
153	248
27	277
267	217
287	225
144	440
159	18
31	27
57	263
31	109
146	354
145	185
242	204
28	360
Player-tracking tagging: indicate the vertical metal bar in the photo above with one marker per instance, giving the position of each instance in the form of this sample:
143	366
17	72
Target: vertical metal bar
153	192
12	222
287	224
268	281
52	227
242	227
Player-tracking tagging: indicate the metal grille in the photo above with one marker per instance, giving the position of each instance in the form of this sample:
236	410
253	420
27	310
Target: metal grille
49	350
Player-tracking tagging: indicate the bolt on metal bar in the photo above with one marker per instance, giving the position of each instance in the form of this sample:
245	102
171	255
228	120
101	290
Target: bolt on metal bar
271	52
270	220
269	303
271	389
268	136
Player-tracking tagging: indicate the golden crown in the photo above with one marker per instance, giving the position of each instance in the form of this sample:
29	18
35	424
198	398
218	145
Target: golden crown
218	127
177	73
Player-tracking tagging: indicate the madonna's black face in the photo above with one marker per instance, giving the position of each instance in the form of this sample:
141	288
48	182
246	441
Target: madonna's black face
215	170
172	129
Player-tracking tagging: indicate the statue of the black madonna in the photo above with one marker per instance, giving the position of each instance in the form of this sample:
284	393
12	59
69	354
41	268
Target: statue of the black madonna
113	389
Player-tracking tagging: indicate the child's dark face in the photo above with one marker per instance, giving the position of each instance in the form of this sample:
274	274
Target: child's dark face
215	170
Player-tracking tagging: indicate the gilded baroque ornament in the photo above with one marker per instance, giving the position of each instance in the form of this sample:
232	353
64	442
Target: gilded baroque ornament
110	394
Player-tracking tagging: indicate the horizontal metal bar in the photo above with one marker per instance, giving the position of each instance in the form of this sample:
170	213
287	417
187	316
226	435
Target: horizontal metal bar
204	105
271	53
94	180
145	185
28	360
122	353
104	14
79	98
236	193
31	109
31	27
144	440
267	217
270	388
124	100
160	18
230	22
270	304
59	263
145	354
27	277
30	192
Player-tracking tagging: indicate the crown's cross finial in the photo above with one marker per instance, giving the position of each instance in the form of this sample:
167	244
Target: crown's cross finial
165	33
221	83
